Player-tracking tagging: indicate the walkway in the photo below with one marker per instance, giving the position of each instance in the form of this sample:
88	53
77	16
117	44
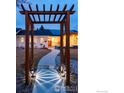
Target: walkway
48	79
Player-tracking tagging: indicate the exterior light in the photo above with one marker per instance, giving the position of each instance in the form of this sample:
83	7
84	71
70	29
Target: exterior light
32	71
32	74
22	39
49	39
62	73
61	68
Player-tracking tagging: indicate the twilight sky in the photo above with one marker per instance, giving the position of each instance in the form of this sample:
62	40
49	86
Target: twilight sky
20	19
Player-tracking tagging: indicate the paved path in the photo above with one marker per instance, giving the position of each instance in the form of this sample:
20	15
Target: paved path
48	80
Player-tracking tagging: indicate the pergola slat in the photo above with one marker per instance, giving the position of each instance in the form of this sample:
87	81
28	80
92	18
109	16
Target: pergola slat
64	7
64	18
71	9
50	10
22	7
55	13
44	10
62	10
57	9
32	14
38	10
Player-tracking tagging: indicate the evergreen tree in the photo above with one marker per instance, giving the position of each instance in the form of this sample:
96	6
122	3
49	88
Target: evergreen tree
41	28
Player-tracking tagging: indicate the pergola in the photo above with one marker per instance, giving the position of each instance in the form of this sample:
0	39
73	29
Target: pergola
63	20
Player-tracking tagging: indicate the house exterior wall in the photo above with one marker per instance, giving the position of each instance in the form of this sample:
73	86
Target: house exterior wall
55	41
20	41
46	41
73	39
39	41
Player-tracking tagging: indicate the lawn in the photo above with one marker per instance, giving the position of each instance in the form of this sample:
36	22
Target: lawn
73	53
20	59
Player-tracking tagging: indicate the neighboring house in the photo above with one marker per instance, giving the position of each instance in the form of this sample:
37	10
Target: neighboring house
45	38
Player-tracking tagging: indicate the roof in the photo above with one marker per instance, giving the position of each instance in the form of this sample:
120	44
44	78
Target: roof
55	32
37	33
17	29
45	32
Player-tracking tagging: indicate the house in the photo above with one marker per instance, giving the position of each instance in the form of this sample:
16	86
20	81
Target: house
45	38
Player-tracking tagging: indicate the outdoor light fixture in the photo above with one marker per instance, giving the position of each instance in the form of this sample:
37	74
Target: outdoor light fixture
61	68
32	74
62	73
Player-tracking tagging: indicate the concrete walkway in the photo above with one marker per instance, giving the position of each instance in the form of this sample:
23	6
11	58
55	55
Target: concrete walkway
49	59
48	79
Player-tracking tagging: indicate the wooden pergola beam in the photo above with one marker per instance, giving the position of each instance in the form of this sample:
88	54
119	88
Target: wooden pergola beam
61	44
43	11
32	14
46	22
32	46
27	25
60	18
57	9
57	12
47	12
67	49
38	10
71	9
62	10
64	7
22	7
50	10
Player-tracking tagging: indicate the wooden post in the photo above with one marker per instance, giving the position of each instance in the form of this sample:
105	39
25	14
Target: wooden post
67	55
32	46
61	44
26	49
64	42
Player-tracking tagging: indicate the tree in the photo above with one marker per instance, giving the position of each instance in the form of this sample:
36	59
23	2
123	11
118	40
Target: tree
19	2
41	28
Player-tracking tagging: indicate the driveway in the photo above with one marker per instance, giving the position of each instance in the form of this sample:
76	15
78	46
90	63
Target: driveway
48	79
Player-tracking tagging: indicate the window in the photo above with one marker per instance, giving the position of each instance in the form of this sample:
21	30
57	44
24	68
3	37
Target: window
41	40
22	39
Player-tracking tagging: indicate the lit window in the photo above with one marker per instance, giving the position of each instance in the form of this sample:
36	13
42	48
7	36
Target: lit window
41	40
53	39
22	39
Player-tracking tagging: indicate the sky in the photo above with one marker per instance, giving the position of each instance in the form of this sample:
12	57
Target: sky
20	19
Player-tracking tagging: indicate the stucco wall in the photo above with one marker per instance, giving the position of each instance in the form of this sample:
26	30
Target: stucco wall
44	41
39	41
